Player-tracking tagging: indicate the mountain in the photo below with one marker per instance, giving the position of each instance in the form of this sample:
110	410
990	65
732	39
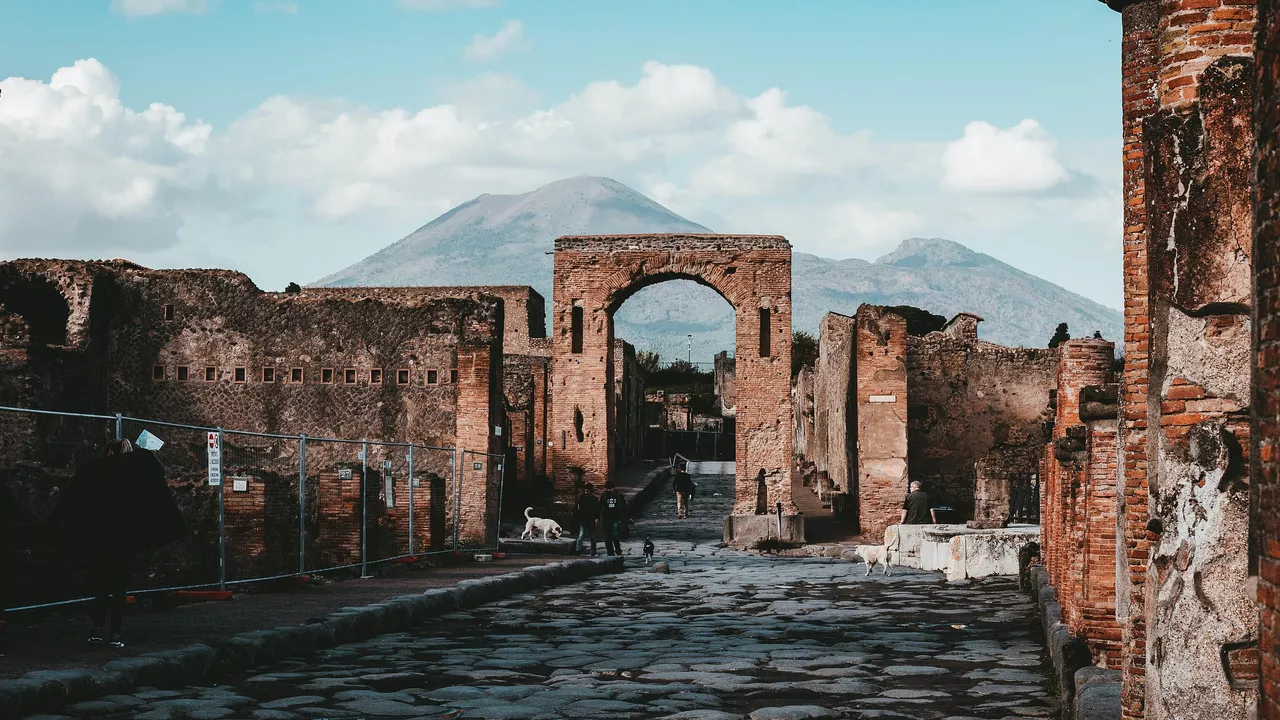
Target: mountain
506	240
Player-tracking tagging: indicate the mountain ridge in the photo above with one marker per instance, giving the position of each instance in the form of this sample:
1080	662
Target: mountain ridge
507	239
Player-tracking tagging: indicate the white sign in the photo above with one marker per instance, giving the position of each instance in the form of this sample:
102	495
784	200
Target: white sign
147	441
884	398
344	473
215	460
477	466
240	484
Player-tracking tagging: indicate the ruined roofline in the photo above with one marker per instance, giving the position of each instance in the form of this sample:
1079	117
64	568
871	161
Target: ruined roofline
671	241
938	337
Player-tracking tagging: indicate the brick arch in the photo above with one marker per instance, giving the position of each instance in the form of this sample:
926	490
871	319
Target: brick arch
596	275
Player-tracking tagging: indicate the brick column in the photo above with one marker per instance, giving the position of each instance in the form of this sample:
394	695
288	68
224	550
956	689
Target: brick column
881	416
1097	616
1139	50
1265	486
479	411
339	517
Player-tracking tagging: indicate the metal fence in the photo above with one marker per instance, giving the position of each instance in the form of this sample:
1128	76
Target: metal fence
1024	499
257	506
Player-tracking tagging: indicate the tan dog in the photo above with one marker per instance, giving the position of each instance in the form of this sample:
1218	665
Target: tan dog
550	528
873	554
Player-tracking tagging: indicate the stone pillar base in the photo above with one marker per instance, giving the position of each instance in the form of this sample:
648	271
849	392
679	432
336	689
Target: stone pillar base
747	531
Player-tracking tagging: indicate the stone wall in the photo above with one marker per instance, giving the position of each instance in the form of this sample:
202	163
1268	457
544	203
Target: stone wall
725	385
628	403
967	399
1266	407
834	402
208	348
595	275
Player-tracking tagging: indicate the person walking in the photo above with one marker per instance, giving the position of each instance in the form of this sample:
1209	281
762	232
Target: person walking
917	509
587	513
684	489
116	506
613	513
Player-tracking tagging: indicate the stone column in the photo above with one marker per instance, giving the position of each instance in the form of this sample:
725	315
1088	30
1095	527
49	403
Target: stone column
480	410
881	417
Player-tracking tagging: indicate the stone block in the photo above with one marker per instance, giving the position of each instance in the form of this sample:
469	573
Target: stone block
746	531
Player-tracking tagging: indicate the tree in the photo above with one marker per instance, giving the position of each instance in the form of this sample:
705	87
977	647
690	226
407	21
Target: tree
293	287
648	360
1059	336
804	351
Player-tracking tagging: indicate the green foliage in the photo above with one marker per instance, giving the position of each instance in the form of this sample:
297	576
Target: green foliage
1059	336
804	351
648	360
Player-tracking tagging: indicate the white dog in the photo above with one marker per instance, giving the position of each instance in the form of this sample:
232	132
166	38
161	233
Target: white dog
548	527
873	554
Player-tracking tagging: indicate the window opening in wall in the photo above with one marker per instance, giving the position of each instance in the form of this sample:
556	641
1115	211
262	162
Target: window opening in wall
326	376
375	376
168	312
268	375
576	325
349	376
453	376
402	376
184	373
210	374
433	377
764	332
241	375
296	375
157	372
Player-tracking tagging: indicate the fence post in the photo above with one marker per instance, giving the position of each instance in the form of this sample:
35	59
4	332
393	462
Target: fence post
119	427
222	533
410	498
457	488
302	504
364	507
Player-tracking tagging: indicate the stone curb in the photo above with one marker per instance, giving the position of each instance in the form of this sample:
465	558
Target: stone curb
1090	692
648	488
46	691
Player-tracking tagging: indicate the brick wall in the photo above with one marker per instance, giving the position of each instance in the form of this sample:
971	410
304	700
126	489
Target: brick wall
628	402
1096	620
724	376
880	377
597	274
1265	544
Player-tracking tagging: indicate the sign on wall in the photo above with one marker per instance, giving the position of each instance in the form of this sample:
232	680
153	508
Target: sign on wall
240	484
344	473
477	466
215	460
883	398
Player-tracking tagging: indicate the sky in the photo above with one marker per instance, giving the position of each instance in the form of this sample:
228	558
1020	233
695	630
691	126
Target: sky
290	138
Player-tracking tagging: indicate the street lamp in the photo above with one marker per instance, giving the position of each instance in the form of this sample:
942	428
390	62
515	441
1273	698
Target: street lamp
690	348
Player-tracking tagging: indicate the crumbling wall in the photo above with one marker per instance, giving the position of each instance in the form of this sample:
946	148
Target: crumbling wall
802	402
725	384
628	382
880	379
835	401
967	399
1190	624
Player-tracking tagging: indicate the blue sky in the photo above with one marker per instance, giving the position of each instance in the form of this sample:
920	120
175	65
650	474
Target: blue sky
890	85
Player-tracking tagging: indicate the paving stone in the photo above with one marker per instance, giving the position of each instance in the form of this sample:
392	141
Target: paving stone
793	712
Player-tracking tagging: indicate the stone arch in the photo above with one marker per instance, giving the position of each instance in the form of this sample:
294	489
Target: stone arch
594	276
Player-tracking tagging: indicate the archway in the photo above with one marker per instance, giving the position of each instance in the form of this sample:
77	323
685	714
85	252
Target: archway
594	275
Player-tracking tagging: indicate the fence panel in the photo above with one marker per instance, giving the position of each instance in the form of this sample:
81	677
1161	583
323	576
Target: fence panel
286	505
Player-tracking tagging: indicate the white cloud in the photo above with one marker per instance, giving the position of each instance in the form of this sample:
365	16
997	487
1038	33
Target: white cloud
446	4
138	8
510	38
280	6
1022	159
83	174
81	170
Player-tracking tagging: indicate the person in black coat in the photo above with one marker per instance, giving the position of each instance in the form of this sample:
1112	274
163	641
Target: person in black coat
684	488
613	516
116	506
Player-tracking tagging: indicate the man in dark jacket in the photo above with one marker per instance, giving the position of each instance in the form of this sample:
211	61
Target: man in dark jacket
116	506
917	509
684	487
587	513
613	513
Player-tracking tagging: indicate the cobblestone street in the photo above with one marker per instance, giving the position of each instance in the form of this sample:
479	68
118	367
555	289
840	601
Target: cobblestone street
724	635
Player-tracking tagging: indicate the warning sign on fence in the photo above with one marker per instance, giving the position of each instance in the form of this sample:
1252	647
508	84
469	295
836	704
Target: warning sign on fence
215	459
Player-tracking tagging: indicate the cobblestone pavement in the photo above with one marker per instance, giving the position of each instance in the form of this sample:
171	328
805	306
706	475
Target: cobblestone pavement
723	635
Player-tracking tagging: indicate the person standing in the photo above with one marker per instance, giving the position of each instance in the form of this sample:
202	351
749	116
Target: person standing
587	513
917	509
684	488
116	506
613	513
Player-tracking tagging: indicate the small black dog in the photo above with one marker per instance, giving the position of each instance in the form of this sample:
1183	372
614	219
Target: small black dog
648	551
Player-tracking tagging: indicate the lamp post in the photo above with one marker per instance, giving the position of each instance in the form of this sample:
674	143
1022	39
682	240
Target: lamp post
690	358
